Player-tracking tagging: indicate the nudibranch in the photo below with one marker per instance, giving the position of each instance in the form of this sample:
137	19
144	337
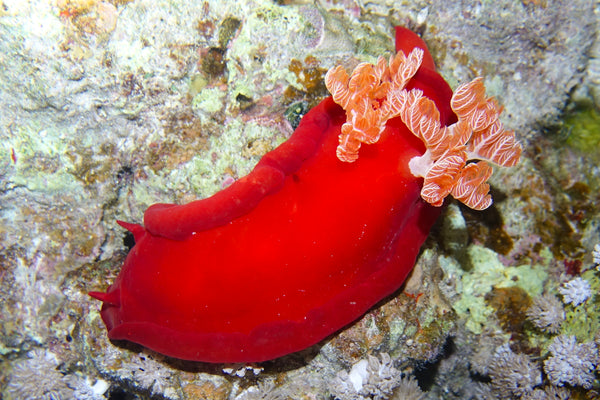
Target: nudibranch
322	228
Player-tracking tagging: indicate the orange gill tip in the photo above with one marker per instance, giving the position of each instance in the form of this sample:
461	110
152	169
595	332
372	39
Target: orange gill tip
367	96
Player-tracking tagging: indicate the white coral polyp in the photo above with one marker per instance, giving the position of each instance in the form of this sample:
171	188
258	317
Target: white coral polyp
358	375
513	375
571	363
596	254
576	291
369	379
547	313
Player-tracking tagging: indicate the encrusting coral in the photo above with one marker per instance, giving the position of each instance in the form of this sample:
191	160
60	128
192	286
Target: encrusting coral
373	94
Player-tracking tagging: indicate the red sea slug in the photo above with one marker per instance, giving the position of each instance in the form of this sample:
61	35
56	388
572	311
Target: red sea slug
322	228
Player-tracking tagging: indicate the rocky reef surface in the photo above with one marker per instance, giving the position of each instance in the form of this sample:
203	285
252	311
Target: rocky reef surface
110	106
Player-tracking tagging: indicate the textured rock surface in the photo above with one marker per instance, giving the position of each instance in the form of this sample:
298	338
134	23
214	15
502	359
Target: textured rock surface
110	106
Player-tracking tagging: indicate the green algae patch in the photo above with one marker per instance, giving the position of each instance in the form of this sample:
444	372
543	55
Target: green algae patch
583	130
486	274
253	50
40	159
230	154
209	101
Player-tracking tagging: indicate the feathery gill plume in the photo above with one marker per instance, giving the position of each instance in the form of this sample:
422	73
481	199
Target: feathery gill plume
477	135
363	96
371	95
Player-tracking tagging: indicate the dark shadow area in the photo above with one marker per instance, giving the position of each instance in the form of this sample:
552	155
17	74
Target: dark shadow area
426	372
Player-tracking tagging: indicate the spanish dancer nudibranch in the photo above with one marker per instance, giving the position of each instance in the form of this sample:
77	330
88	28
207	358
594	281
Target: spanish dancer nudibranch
325	226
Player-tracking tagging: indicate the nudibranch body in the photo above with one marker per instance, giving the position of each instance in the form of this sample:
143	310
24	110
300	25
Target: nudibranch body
318	232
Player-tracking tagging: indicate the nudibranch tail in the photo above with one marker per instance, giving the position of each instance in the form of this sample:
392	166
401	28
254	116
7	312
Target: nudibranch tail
136	229
110	298
372	95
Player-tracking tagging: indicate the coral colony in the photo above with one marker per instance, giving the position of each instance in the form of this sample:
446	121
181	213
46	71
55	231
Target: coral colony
575	291
547	313
372	378
571	363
